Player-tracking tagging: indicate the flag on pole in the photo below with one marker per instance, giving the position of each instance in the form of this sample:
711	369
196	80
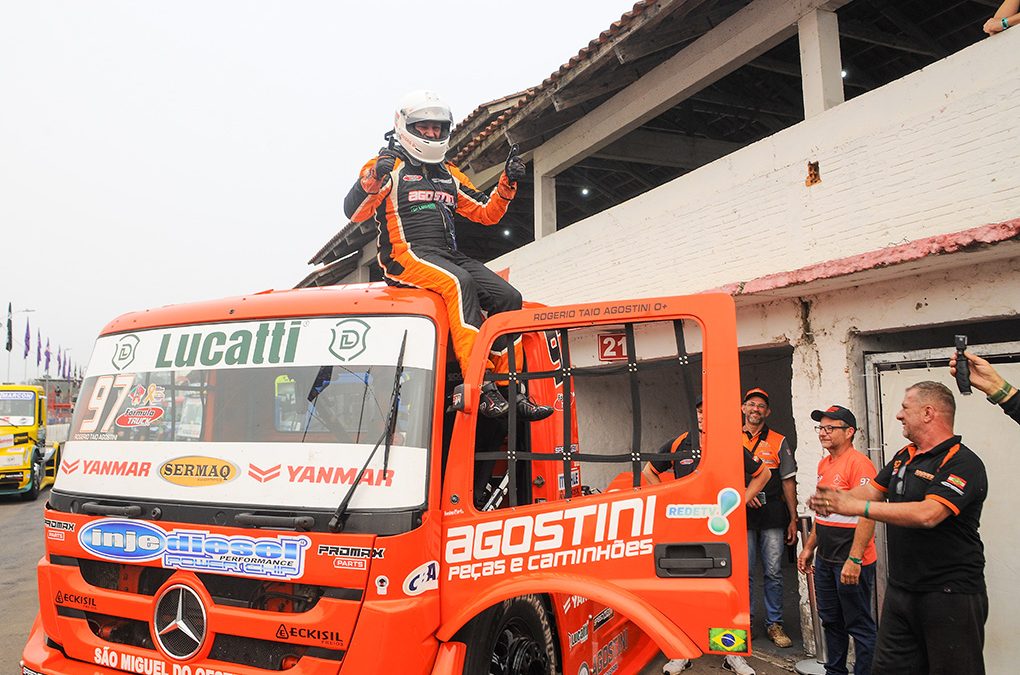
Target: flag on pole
28	340
47	368
10	328
38	347
60	362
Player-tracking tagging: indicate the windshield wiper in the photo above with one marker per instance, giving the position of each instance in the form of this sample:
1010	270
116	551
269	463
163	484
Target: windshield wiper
336	523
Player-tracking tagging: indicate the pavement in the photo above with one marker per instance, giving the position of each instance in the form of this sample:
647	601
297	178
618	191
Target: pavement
23	545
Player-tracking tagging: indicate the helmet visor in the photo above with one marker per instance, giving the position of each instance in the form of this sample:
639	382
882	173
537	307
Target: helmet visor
430	129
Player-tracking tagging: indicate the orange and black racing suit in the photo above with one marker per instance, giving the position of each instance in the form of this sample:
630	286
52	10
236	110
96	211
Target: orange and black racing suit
413	209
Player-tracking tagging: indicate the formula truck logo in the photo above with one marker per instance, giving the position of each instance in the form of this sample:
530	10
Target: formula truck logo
124	351
349	339
580	535
280	557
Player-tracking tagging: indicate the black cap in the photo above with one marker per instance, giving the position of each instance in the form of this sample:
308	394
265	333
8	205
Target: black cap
756	391
836	412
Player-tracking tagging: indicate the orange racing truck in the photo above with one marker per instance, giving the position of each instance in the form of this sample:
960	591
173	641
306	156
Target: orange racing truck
300	481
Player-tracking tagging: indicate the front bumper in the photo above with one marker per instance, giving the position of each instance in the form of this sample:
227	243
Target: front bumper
14	481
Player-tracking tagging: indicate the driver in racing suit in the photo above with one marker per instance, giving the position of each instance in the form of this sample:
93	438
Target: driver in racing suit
413	193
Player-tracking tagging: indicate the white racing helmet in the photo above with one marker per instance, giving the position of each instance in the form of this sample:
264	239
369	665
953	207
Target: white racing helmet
423	106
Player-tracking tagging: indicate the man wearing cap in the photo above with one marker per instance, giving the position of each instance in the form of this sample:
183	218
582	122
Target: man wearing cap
930	496
844	567
772	517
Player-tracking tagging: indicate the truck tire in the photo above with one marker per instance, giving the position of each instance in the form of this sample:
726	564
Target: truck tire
515	637
37	478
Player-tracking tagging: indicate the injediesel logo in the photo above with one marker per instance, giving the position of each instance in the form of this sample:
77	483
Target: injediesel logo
269	343
196	471
553	539
133	541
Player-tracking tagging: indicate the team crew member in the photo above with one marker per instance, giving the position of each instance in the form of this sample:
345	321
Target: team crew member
773	522
686	453
413	193
930	495
845	565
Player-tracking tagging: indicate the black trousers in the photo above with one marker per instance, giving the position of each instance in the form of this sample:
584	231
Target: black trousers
931	634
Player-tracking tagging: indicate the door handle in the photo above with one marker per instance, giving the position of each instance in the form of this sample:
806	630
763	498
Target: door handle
709	560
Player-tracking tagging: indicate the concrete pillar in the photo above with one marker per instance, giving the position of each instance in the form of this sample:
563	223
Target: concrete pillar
545	204
820	64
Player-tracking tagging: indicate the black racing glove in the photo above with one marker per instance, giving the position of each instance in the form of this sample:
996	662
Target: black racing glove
384	164
514	168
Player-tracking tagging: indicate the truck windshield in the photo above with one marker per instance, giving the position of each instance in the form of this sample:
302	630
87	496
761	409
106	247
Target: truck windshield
17	408
275	413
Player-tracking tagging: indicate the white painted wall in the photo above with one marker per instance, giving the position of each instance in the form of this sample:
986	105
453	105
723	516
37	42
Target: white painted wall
934	152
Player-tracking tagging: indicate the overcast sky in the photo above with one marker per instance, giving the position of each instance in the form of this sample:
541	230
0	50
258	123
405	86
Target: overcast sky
164	152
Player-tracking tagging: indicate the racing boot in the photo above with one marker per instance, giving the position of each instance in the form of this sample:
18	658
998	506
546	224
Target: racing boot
491	402
529	411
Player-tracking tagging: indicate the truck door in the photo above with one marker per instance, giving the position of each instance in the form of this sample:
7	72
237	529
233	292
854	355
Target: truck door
672	556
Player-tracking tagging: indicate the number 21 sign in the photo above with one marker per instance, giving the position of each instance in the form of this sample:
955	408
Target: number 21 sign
612	347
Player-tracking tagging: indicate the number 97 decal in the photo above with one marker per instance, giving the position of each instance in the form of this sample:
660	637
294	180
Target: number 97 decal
104	386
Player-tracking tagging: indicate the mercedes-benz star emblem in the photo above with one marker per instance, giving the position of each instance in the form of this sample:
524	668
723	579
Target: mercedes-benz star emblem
179	622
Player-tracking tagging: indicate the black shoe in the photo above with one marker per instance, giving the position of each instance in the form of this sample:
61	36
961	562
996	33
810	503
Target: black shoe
530	411
491	403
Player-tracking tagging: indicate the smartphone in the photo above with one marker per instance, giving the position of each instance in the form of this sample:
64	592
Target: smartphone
962	366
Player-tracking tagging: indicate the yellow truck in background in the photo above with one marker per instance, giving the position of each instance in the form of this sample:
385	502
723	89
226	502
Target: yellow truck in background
27	465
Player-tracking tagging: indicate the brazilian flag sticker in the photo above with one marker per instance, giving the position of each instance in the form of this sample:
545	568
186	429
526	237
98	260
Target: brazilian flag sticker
727	639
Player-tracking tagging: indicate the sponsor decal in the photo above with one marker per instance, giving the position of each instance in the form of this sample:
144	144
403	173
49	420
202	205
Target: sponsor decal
602	618
55	535
410	179
727	639
579	636
124	351
142	395
270	342
443	180
58	525
583	669
25	670
686	461
146	665
338	475
423	578
716	514
16	395
924	474
279	557
608	657
264	475
325	636
575	477
139	417
430	196
382	585
197	471
573	602
349	339
75	600
616	530
350	557
95	467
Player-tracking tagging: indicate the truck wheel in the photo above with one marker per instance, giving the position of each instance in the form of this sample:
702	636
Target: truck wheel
37	477
514	637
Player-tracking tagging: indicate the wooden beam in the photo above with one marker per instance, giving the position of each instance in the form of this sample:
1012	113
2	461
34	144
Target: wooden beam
752	31
862	32
587	91
664	149
694	27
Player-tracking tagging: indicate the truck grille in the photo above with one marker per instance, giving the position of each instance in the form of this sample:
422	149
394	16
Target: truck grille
253	594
